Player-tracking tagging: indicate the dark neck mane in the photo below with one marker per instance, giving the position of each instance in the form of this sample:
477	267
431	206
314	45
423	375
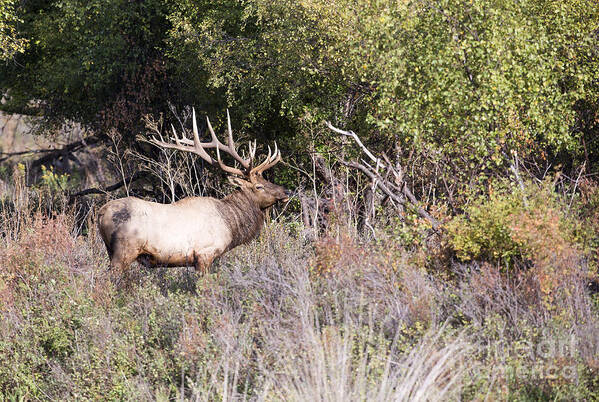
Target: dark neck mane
243	217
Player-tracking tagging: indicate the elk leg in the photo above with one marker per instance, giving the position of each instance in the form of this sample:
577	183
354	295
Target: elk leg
122	257
202	262
120	276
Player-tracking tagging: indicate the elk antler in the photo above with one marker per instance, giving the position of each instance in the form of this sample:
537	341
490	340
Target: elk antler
199	148
269	162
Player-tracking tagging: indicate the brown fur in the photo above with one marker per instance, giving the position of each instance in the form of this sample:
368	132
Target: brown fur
243	217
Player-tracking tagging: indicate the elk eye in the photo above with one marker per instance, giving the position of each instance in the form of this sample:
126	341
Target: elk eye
259	187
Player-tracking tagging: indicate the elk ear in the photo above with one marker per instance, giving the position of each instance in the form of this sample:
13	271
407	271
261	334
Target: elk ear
236	181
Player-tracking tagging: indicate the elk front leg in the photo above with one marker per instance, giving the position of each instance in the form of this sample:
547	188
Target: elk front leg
120	261
122	257
202	262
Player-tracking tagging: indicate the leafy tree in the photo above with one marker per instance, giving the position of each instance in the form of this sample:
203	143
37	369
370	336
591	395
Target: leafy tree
95	62
464	84
470	81
10	42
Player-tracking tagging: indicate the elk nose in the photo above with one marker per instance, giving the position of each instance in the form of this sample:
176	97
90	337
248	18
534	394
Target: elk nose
287	195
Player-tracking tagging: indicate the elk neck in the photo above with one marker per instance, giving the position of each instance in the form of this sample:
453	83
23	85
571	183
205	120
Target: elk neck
243	216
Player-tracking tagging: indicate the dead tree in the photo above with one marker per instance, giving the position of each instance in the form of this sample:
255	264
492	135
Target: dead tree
318	208
385	176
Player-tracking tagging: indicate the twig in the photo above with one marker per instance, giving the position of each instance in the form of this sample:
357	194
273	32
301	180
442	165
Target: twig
514	168
115	186
394	197
576	185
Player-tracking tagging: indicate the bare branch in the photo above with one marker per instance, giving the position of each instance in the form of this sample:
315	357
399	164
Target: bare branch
397	190
105	190
392	195
355	137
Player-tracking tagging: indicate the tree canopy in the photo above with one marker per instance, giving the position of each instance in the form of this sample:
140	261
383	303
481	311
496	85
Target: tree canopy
459	85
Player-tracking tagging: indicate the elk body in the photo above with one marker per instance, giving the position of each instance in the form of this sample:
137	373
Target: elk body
195	230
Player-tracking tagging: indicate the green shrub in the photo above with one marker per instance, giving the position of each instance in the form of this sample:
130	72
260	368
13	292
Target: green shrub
514	225
483	231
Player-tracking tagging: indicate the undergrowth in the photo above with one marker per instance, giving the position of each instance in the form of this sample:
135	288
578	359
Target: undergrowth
290	318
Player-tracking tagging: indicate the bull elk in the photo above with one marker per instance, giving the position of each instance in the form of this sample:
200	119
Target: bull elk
195	230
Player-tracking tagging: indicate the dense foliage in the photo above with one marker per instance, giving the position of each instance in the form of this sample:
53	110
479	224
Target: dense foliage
464	84
96	63
10	42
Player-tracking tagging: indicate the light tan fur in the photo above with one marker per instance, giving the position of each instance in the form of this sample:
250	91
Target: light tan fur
188	232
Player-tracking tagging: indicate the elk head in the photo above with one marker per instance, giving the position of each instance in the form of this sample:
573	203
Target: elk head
248	178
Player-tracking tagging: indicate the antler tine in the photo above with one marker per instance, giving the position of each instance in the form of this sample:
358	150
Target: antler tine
197	145
271	160
229	148
259	168
226	168
252	151
244	162
276	158
215	141
174	135
183	144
